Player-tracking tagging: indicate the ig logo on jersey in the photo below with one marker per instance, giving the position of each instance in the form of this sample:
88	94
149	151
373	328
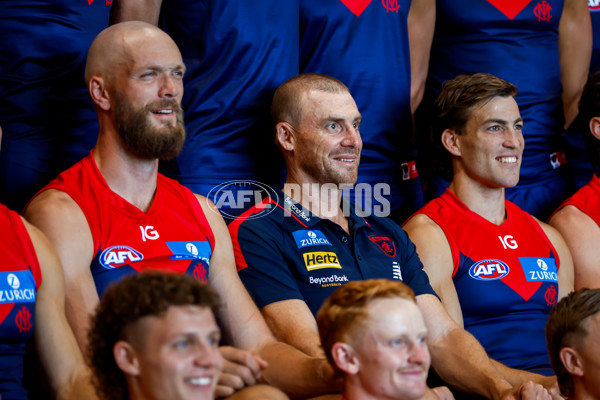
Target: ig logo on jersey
488	270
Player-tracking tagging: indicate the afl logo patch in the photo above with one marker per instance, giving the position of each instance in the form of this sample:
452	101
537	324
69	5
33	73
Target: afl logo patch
117	256
594	5
488	270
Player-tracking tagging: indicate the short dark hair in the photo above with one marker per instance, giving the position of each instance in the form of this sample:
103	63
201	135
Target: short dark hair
123	305
346	309
285	106
589	107
460	95
566	326
454	105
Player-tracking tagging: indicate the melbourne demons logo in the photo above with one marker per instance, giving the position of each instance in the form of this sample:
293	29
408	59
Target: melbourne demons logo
550	296
385	244
488	270
23	320
542	11
117	256
391	5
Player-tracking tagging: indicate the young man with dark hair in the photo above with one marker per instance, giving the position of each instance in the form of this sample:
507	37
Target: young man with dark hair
497	269
572	338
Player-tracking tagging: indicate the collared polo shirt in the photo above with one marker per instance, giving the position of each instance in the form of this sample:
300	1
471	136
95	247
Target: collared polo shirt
284	252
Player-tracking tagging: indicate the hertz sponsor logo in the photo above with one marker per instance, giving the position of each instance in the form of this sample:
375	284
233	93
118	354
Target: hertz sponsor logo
321	259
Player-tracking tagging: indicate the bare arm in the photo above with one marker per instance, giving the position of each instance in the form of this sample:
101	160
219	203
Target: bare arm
421	25
135	10
582	236
457	356
243	325
565	272
575	49
63	222
292	322
55	343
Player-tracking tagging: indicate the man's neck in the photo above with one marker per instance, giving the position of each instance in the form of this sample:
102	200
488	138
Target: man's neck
322	200
131	178
485	201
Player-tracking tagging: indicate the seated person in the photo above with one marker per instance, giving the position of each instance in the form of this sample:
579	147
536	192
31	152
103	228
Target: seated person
112	214
572	337
293	250
578	218
32	307
154	336
373	332
497	269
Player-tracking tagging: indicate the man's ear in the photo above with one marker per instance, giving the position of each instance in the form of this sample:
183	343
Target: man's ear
451	141
571	360
285	136
595	127
344	357
98	92
126	358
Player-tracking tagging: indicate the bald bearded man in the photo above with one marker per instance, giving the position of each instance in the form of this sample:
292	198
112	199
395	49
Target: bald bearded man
113	214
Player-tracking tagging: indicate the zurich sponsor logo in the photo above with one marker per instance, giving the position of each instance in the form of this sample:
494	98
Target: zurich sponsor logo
191	250
116	256
17	287
487	270
538	269
310	238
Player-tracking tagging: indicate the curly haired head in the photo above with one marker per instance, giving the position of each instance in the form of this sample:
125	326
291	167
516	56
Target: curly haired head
345	311
567	327
589	107
122	306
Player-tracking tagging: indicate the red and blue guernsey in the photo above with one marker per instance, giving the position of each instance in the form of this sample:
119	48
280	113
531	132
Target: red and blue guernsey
173	235
365	45
236	54
518	42
587	199
20	277
505	277
46	114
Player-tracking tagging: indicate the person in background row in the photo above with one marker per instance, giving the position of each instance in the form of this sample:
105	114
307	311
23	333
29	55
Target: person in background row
373	333
578	217
572	337
113	214
46	113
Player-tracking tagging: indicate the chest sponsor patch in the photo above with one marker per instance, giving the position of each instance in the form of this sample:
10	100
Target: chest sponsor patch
320	260
117	256
488	270
17	287
538	269
305	238
192	250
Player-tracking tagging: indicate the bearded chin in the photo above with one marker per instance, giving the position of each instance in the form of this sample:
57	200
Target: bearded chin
142	139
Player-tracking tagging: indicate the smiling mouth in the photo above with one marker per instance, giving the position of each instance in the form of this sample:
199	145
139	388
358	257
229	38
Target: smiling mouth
202	381
507	159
